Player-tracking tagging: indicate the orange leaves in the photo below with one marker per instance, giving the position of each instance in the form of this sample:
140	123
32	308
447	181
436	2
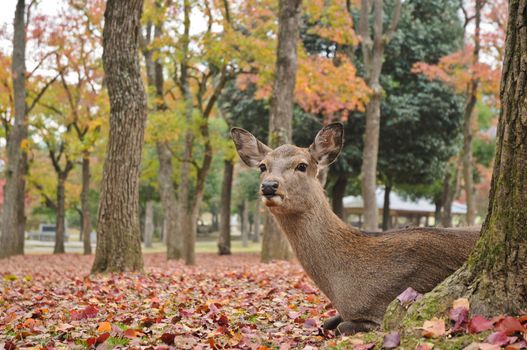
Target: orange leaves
329	86
104	327
434	328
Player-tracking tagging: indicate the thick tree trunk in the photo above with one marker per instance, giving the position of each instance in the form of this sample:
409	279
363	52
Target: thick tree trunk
468	117
386	224
149	224
494	279
337	195
118	234
275	244
224	240
85	204
60	218
13	215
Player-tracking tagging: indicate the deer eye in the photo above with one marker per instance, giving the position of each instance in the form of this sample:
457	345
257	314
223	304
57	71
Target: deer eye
301	167
262	167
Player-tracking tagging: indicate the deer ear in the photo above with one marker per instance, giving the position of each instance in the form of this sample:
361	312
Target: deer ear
328	144
251	150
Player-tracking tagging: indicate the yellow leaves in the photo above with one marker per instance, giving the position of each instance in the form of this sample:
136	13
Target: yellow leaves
104	327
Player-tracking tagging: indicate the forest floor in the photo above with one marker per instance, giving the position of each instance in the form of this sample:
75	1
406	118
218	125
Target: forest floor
51	302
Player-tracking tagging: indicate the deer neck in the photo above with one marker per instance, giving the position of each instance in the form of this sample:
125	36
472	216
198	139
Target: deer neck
318	237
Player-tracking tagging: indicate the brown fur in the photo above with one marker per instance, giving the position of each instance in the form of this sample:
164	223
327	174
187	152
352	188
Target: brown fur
359	273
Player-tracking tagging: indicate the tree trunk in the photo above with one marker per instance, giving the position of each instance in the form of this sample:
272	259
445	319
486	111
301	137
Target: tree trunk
149	223
172	236
450	187
118	234
369	163
256	237
85	203
60	218
337	195
386	223
373	57
275	244
468	117
246	225
13	215
224	240
494	279
167	192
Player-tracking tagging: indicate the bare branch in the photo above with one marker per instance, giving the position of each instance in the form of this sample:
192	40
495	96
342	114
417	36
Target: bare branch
396	14
42	91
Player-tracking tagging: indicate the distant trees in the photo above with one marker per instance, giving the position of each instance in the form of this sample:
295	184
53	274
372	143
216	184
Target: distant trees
118	233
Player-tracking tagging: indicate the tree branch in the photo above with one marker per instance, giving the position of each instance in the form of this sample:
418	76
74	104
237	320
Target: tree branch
41	93
394	22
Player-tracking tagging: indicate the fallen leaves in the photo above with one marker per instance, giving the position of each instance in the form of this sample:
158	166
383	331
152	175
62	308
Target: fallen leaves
225	302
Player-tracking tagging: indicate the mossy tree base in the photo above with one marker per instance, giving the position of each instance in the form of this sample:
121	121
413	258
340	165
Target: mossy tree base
494	279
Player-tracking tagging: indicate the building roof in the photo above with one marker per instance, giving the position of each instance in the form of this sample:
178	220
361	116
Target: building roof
398	203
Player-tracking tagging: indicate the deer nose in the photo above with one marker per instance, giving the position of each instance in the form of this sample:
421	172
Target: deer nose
269	188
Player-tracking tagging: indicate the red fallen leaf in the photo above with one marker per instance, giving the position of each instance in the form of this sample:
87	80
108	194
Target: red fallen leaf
424	346
523	319
102	338
310	323
510	325
90	311
91	341
434	328
9	345
223	320
391	340
460	316
212	343
367	346
486	346
408	296
479	324
168	338
498	338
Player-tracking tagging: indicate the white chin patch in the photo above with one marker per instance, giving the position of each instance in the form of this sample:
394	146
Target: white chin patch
272	201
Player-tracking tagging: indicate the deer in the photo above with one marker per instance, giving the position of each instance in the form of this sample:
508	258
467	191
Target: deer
359	273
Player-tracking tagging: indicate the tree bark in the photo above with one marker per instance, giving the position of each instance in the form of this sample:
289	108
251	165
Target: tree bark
167	189
85	204
149	224
373	57
468	117
337	195
275	244
224	240
494	278
167	193
256	237
246	225
386	223
13	215
118	233
60	217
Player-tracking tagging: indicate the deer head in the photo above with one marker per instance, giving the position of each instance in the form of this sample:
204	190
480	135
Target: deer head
289	173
